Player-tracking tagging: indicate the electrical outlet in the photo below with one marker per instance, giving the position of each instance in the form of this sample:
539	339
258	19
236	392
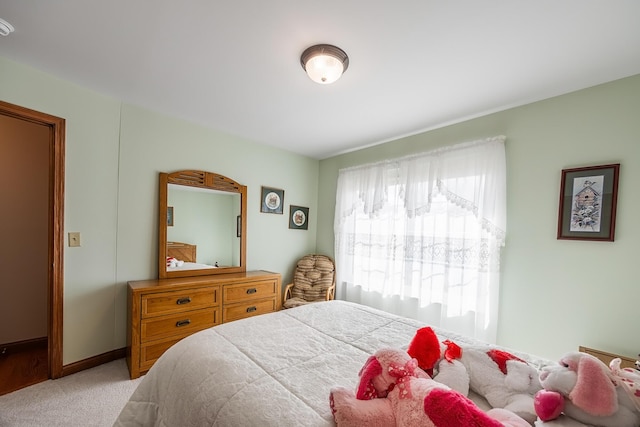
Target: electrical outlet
74	239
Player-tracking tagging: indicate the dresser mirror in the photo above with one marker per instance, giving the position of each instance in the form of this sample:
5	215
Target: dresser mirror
202	226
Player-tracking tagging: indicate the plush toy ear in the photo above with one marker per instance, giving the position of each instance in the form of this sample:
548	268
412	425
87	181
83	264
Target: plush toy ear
594	391
369	371
425	348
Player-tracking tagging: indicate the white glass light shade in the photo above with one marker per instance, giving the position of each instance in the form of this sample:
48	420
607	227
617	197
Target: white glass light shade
324	69
324	64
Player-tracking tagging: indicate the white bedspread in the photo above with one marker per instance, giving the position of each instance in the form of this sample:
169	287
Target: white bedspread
270	370
186	265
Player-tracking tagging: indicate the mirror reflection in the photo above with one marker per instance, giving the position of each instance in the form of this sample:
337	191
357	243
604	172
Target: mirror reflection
202	224
202	228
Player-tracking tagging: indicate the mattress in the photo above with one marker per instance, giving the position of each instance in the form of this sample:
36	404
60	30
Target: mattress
271	370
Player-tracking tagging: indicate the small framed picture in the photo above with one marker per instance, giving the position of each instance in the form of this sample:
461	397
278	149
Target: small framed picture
588	199
298	217
169	216
239	226
271	200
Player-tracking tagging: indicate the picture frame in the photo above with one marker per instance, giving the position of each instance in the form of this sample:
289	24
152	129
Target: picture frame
298	217
169	216
588	203
271	200
239	226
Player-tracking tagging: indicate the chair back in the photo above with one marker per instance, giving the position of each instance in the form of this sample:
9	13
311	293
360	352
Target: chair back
314	274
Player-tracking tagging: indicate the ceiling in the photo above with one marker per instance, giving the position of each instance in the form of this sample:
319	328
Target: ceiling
414	65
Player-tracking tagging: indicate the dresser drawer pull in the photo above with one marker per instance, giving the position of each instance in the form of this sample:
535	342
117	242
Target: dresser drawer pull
251	291
182	323
251	309
181	301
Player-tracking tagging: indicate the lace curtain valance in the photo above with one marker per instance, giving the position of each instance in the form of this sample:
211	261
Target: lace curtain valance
471	175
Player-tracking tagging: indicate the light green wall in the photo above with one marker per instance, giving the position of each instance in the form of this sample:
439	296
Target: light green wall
114	153
556	294
152	143
91	175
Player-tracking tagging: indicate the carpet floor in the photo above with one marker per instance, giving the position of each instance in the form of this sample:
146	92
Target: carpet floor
91	398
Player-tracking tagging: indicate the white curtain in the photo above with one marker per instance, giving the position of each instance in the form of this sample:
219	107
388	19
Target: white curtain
421	235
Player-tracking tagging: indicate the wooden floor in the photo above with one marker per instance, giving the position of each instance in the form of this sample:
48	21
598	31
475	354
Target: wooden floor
23	364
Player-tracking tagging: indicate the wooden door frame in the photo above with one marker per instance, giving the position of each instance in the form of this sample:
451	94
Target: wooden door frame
56	225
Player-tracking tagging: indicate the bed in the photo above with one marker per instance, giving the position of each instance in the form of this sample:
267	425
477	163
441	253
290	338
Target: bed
186	265
186	253
271	370
183	251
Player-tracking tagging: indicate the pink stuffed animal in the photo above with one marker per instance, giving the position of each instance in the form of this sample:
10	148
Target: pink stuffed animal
394	391
585	389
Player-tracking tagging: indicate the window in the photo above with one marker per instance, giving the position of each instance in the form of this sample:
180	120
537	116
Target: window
421	236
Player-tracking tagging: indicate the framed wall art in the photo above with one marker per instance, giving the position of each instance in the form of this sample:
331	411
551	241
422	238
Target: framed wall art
170	216
298	217
271	200
588	199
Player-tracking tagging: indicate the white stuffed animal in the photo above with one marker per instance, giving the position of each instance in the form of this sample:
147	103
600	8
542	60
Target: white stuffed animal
503	379
585	389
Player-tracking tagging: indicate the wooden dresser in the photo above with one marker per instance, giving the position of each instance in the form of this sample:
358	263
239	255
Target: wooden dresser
163	311
605	357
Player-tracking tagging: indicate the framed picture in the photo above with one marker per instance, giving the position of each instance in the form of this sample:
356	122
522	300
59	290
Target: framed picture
588	199
298	217
170	216
239	226
271	200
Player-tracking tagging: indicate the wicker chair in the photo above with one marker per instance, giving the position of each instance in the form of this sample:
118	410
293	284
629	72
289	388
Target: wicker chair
313	280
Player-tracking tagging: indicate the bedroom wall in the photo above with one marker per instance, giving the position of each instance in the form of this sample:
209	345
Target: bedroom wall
555	294
114	153
153	143
91	173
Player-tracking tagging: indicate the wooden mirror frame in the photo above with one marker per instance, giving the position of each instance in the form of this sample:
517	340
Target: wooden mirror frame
204	180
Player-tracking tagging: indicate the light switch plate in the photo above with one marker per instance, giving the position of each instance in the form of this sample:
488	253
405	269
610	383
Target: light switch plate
74	239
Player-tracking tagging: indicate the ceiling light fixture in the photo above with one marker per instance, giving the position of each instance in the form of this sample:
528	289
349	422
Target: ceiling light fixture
5	28
324	63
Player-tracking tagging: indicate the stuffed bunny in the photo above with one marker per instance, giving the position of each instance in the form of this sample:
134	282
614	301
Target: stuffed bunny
394	391
505	380
585	389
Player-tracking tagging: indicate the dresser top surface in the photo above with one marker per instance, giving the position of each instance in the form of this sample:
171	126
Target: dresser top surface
203	280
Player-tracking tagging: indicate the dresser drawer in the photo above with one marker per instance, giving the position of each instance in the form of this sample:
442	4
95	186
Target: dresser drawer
158	304
150	352
184	323
248	309
249	291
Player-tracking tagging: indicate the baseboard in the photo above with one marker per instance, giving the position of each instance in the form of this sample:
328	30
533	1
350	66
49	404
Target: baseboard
94	361
26	345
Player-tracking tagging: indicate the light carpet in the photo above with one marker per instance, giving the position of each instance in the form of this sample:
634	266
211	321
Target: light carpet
91	398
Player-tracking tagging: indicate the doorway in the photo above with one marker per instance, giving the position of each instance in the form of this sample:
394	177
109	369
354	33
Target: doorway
32	173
